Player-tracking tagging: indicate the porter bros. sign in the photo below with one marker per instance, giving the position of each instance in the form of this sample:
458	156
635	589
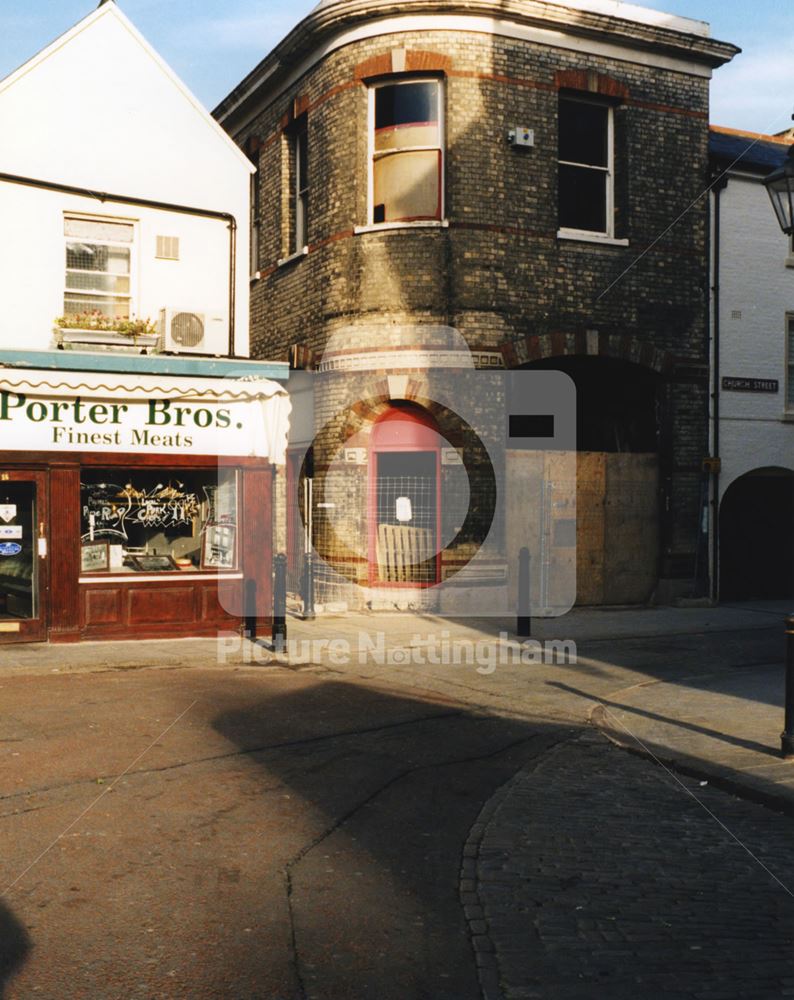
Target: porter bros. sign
41	423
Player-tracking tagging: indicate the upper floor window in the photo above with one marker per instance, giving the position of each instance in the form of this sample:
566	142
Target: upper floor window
406	151
98	267
586	166
300	140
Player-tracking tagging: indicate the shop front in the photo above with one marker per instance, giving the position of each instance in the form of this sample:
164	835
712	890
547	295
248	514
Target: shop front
135	506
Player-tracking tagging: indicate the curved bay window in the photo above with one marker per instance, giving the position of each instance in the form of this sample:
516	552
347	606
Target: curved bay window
153	521
407	154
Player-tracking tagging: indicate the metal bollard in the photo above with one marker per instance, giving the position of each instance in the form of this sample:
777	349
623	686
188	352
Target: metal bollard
524	620
787	736
307	580
280	602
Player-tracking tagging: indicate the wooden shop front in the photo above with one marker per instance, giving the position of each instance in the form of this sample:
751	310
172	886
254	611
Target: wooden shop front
135	506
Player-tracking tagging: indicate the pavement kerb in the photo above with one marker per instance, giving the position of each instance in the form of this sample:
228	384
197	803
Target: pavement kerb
727	779
473	910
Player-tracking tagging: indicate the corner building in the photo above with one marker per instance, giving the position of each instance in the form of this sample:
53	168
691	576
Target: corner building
528	175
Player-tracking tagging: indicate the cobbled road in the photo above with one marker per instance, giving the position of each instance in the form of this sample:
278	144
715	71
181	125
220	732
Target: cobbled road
599	875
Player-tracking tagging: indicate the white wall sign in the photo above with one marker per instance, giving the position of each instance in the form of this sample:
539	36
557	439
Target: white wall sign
181	425
10	531
8	511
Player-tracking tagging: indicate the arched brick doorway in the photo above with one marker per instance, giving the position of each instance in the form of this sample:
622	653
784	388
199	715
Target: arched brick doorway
757	537
404	498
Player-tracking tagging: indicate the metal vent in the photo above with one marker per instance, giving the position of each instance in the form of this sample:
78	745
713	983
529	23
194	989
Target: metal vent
168	247
187	329
736	314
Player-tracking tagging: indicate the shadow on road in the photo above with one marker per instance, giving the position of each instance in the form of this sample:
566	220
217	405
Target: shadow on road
391	786
14	946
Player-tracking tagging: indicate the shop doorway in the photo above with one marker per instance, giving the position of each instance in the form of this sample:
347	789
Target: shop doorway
405	501
23	556
757	537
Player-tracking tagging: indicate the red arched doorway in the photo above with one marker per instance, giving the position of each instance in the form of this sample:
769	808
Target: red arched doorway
404	502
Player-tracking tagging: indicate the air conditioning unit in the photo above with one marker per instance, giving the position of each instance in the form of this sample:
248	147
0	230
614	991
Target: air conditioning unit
183	331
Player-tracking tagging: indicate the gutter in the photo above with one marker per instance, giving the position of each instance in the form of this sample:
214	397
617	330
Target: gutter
718	186
103	196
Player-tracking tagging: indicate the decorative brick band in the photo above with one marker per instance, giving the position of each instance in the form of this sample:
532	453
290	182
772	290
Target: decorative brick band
402	60
590	343
590	81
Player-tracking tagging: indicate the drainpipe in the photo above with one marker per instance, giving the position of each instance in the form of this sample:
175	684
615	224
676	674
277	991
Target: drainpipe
718	186
121	199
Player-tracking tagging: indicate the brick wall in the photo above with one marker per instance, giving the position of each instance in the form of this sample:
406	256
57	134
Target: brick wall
498	272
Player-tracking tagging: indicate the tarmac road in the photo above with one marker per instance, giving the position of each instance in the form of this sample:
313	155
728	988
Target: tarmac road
289	836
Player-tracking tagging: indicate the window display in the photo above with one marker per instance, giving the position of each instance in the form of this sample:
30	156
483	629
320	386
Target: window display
155	521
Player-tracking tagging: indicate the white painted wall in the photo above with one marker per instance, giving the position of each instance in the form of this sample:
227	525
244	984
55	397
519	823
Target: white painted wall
757	279
99	109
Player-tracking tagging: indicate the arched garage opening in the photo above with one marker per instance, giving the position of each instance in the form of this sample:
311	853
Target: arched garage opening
617	479
757	537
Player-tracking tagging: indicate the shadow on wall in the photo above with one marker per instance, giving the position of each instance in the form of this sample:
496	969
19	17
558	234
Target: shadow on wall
14	946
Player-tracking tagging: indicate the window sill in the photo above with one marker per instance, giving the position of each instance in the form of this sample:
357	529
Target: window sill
790	261
292	257
256	276
379	227
582	237
788	417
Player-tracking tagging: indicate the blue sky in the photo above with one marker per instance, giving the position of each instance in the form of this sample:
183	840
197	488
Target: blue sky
212	44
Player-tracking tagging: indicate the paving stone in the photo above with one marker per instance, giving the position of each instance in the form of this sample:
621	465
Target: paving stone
601	877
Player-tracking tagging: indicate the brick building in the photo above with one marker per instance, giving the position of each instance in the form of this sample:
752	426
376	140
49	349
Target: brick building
529	177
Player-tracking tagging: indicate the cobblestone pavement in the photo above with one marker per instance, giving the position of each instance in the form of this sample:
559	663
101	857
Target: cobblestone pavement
599	876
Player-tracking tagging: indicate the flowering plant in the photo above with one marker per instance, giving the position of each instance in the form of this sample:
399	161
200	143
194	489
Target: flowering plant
100	322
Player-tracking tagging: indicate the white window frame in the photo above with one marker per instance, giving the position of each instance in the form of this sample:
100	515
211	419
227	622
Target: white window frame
441	147
609	170
300	196
132	246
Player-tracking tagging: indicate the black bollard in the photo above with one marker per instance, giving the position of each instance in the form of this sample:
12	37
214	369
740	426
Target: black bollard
280	603
249	624
523	620
307	580
787	736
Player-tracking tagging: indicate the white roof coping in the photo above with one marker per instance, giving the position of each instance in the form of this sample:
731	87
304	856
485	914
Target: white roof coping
610	8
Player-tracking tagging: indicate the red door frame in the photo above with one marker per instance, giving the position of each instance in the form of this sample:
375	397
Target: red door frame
402	429
33	629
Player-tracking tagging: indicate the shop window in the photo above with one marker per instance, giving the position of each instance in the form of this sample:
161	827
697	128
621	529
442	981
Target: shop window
299	168
142	520
407	156
586	166
98	267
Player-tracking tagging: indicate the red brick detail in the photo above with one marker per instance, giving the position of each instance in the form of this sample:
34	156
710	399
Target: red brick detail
533	348
300	105
374	66
592	82
622	347
421	61
558	344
